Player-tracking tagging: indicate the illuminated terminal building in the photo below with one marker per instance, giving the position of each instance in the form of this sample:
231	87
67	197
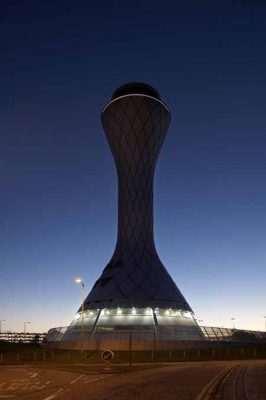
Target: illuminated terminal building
135	291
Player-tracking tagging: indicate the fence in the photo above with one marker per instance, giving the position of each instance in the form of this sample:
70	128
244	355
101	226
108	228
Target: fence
227	334
165	334
29	354
22	337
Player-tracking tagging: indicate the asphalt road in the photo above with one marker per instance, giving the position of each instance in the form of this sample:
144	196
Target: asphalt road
181	381
241	382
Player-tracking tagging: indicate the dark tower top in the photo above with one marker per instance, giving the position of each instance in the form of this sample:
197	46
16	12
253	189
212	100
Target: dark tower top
135	88
135	122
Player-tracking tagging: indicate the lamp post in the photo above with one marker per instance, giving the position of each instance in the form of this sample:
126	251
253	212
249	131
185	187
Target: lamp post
264	316
233	320
1	320
198	320
25	323
79	280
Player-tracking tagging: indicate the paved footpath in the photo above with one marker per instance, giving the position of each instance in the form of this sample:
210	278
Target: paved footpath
180	381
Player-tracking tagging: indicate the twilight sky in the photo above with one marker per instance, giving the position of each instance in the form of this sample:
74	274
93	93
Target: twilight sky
60	62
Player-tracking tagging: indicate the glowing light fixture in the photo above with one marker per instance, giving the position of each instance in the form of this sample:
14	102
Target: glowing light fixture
79	280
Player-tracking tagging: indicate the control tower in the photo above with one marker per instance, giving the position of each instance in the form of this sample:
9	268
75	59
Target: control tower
135	291
135	122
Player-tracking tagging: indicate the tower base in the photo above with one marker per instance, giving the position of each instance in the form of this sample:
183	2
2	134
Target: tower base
122	328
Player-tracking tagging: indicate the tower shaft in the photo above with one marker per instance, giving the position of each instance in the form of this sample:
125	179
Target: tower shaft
135	124
135	136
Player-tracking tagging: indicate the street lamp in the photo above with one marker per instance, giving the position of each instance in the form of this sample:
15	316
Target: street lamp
79	280
264	316
199	320
25	323
1	320
233	320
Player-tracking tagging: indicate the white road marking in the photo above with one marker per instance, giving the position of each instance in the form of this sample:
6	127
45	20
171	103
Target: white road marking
97	379
33	374
23	384
37	386
77	379
53	395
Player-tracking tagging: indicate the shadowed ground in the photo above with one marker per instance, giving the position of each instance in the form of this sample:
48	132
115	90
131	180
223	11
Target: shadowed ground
201	380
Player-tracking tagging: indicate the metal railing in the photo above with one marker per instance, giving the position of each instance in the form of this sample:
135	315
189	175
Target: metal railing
165	334
21	337
228	334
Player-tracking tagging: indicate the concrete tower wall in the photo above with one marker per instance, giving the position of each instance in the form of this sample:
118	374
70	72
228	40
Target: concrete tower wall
135	125
135	296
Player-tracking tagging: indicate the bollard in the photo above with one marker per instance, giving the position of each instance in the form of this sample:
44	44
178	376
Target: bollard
213	353
198	352
130	347
107	356
170	355
34	357
184	354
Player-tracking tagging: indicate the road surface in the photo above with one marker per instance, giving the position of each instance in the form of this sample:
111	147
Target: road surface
181	381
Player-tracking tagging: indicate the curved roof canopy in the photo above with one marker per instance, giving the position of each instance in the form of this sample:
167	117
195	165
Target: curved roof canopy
135	88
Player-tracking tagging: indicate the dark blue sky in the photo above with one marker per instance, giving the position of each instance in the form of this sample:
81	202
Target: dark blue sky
60	62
